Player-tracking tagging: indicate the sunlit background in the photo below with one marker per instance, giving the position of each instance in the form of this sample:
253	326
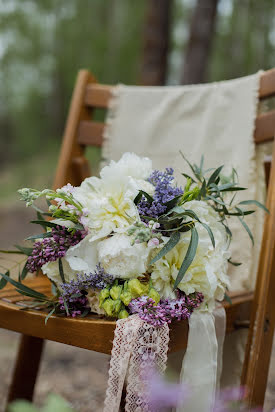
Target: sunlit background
43	43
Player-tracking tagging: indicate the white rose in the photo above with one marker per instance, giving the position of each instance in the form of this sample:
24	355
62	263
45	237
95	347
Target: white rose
121	259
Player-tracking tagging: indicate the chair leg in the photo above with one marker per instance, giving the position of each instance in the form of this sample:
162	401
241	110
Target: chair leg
26	368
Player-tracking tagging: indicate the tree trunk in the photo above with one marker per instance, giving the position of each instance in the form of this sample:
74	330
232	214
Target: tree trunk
156	42
200	40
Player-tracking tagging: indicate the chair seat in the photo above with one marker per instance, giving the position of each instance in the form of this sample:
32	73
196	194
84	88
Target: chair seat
93	332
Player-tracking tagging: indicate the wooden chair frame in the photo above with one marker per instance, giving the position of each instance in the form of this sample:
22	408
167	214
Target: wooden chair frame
96	334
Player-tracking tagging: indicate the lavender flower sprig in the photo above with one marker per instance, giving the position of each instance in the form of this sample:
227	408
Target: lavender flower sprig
99	279
164	192
52	248
167	310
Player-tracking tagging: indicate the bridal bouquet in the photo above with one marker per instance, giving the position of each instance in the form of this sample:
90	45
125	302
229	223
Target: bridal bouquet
133	241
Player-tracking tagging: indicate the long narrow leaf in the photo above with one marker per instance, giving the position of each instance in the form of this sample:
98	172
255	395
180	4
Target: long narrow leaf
247	229
25	250
23	273
44	223
254	202
13	252
174	239
189	257
214	175
40	236
23	288
61	271
49	315
210	233
191	167
3	281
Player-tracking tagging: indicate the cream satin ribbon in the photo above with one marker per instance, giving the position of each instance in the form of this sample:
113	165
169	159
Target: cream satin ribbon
202	362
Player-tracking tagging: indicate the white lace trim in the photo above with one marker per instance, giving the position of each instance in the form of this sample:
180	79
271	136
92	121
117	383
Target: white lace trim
136	344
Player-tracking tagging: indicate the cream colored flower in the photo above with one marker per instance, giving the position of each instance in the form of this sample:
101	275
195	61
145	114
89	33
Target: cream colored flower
130	165
121	259
208	271
51	269
93	299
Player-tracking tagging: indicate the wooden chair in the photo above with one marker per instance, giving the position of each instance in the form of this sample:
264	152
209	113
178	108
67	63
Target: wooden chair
96	334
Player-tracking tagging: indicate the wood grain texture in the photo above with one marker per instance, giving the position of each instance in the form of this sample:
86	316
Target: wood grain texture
99	95
259	346
70	147
92	332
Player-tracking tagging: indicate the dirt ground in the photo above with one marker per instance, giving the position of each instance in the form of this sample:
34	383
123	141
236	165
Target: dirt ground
78	375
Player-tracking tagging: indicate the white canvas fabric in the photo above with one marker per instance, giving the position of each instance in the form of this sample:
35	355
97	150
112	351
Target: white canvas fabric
216	120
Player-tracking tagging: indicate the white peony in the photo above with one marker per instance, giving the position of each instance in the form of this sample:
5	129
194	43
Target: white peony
110	204
121	259
131	165
83	257
51	269
208	271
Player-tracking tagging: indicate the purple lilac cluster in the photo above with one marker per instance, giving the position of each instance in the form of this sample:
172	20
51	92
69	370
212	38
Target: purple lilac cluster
99	279
166	310
164	192
54	247
76	305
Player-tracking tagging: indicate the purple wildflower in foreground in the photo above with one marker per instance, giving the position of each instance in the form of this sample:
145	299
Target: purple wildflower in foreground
52	248
162	395
99	279
164	192
166	310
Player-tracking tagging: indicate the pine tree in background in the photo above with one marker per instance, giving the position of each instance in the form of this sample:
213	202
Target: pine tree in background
156	42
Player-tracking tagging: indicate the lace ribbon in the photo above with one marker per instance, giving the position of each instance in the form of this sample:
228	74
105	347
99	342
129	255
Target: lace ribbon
136	344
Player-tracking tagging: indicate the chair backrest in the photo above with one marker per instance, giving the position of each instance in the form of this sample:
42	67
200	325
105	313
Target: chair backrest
73	167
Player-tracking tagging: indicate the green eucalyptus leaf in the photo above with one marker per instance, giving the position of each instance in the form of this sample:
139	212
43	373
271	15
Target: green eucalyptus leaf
172	202
191	166
214	176
49	315
61	271
24	273
210	233
174	239
3	281
44	223
13	252
23	288
188	177
247	229
189	257
25	250
41	236
138	198
254	202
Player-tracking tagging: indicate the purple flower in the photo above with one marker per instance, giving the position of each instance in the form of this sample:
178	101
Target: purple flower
75	305
164	192
162	395
166	310
99	279
54	247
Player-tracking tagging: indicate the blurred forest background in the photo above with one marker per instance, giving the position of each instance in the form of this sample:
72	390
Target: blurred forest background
43	43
